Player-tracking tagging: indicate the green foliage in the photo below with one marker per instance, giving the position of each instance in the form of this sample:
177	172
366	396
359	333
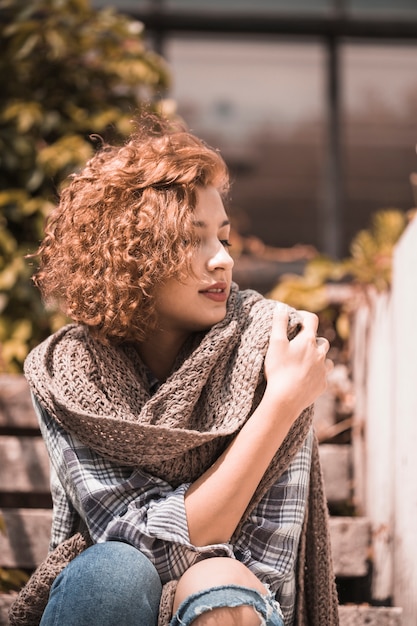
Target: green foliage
371	250
369	264
12	579
308	291
71	72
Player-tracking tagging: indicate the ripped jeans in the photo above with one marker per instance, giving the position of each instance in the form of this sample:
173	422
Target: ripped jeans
114	583
266	607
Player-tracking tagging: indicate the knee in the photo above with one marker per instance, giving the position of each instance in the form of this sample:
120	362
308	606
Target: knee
114	566
115	563
109	583
215	572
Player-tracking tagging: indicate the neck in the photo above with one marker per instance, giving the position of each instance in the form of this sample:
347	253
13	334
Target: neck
159	352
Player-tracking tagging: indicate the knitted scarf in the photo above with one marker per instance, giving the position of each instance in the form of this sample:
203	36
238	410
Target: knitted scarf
101	394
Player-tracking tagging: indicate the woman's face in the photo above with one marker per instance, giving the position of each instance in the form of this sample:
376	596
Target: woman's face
199	301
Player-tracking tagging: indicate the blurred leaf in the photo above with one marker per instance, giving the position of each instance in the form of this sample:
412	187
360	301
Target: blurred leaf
8	246
66	153
3	528
372	250
370	263
12	579
14	348
10	274
13	197
308	291
300	292
343	325
25	115
72	71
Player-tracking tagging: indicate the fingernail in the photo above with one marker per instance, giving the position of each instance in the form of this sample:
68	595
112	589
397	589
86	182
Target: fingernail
281	309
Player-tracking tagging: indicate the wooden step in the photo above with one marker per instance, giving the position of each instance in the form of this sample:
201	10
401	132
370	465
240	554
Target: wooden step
27	541
24	482
349	615
336	462
25	467
16	410
358	615
351	541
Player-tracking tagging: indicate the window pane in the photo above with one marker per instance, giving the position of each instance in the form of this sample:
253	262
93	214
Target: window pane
261	103
380	104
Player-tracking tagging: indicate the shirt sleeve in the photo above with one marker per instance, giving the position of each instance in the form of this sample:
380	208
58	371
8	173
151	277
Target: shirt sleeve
65	519
120	503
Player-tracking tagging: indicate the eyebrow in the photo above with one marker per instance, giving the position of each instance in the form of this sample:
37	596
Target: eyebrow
201	224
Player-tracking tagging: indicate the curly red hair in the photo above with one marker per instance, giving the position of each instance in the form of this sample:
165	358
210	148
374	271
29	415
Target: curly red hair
124	225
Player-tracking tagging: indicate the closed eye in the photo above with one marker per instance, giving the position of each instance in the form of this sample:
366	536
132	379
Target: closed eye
225	242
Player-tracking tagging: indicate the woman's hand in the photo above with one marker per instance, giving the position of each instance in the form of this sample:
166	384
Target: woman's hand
296	371
296	374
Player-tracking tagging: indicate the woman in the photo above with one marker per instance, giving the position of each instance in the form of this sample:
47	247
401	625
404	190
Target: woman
176	410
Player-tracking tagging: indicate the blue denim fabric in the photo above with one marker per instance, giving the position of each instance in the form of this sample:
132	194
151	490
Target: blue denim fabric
265	606
108	584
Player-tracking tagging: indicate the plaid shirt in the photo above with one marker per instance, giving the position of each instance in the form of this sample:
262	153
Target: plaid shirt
128	504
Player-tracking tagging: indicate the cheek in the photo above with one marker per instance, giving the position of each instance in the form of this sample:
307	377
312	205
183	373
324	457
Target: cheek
198	263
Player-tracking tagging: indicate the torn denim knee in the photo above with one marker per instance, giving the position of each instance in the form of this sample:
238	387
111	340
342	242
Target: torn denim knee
265	605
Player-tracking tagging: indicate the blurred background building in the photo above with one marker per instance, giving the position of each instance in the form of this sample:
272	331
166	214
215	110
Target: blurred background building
313	104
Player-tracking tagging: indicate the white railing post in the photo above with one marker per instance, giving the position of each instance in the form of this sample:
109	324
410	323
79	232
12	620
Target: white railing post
404	299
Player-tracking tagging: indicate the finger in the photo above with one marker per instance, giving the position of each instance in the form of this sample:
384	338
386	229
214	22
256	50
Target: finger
280	321
310	321
323	344
329	366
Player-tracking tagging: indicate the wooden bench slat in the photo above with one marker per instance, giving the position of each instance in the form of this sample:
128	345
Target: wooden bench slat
336	462
349	615
357	615
27	540
24	465
16	412
26	545
24	481
351	540
16	409
29	529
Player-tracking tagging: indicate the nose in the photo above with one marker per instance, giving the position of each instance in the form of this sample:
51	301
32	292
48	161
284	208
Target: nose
220	259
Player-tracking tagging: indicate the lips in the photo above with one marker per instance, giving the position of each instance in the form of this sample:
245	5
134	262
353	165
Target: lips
216	292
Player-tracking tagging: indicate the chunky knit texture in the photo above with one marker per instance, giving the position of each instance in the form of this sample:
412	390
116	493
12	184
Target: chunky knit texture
101	394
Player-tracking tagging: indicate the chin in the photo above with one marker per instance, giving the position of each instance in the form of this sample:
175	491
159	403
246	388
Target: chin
218	318
210	323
